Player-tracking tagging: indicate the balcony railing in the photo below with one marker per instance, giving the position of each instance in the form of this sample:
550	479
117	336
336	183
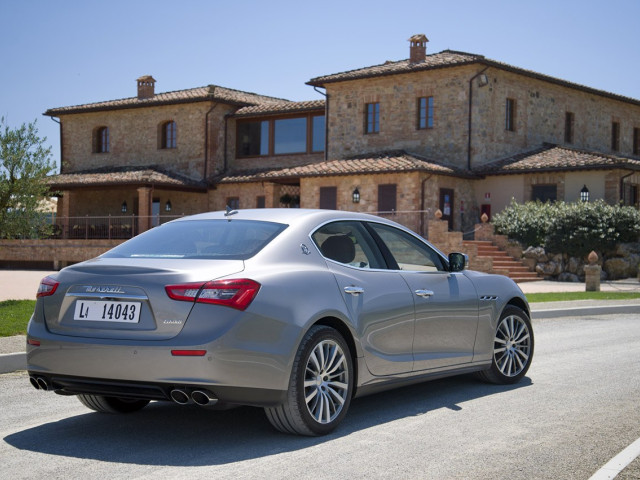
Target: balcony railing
105	227
128	226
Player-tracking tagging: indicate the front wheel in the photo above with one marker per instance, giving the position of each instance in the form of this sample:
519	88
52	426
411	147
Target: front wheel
320	387
512	348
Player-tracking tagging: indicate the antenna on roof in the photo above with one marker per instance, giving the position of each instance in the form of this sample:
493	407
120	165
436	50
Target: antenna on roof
230	212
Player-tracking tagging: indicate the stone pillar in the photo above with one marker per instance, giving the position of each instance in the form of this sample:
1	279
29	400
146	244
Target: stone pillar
271	199
592	274
63	212
144	209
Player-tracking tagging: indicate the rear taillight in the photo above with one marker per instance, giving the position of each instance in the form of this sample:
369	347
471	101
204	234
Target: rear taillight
48	286
237	293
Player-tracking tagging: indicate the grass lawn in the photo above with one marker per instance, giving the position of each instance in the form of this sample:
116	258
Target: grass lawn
14	316
565	296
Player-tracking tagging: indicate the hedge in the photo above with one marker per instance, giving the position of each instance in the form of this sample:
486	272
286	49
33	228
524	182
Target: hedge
572	228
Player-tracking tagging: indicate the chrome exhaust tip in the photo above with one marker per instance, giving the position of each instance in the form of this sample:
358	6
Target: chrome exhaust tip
34	382
179	396
203	398
42	383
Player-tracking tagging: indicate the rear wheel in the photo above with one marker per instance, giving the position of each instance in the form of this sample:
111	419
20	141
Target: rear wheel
103	404
512	348
320	387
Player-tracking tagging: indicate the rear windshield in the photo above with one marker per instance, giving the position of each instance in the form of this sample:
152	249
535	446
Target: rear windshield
207	239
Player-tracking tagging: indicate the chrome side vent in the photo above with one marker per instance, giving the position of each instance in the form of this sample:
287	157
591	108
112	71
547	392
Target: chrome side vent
490	298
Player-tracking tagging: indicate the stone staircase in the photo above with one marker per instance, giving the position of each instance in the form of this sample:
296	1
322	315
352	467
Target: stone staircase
502	263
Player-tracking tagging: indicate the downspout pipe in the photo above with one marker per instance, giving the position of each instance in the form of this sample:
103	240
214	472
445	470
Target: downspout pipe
422	200
60	124
326	123
470	114
206	133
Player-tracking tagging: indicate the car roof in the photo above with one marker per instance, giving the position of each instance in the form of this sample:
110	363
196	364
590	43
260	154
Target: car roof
282	215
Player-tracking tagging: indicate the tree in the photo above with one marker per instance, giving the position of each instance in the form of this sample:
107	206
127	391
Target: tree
24	164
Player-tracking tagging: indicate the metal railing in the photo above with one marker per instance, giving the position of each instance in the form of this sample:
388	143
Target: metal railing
128	226
105	227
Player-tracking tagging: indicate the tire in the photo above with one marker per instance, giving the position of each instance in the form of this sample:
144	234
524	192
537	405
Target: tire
103	404
320	387
512	348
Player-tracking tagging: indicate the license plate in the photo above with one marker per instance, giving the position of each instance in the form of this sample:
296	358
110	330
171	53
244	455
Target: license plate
102	311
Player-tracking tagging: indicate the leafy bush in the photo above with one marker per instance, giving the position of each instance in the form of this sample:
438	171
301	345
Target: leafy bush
573	228
527	223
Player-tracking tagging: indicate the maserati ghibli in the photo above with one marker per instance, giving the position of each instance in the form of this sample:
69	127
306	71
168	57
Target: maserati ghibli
296	311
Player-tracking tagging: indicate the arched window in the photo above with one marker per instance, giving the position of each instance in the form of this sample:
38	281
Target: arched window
169	135
102	140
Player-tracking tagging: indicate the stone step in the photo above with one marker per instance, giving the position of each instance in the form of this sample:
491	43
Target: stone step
502	263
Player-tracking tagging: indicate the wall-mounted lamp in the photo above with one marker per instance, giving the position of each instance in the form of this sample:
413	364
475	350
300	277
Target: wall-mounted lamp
123	207
356	195
167	206
584	194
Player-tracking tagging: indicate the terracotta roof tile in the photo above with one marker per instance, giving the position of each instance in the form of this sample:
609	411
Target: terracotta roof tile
199	94
552	157
388	162
111	176
280	107
451	58
447	58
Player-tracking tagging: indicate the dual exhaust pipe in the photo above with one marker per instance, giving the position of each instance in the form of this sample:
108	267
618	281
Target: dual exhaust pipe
203	398
199	397
40	383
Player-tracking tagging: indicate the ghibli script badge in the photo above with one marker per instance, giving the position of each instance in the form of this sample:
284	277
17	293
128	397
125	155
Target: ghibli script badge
102	289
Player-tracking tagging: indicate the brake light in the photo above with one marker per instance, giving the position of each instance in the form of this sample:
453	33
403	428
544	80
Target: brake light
236	293
188	353
48	286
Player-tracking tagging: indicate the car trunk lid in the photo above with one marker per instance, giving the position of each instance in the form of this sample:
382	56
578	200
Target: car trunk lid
111	298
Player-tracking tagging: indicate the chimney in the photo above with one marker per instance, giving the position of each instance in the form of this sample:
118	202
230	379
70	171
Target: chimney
418	48
146	87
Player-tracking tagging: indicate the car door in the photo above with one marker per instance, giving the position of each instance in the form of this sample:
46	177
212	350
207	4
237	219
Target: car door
446	304
378	300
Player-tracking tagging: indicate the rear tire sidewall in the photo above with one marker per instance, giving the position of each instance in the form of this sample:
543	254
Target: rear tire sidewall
318	335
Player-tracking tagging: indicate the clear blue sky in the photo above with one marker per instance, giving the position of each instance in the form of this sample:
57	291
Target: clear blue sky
70	52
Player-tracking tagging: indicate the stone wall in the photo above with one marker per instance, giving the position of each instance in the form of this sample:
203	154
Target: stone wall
539	116
59	252
134	138
622	262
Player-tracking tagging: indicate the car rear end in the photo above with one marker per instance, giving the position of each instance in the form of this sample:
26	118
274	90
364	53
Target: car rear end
159	322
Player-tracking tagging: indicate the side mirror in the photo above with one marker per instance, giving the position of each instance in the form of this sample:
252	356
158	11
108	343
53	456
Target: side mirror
458	262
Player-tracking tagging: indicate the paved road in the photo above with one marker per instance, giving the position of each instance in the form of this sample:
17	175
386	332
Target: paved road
577	408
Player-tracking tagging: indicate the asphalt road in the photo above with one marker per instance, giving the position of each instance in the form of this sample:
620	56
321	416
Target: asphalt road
577	408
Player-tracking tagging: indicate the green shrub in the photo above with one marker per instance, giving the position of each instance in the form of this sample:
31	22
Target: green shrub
573	228
527	223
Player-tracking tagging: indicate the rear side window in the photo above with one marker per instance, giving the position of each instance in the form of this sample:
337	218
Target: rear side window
348	243
206	239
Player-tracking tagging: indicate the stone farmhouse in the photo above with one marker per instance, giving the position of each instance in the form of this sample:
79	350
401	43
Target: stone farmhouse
451	130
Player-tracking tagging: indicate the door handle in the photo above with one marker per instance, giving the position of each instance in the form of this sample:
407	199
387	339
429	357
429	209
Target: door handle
424	293
354	290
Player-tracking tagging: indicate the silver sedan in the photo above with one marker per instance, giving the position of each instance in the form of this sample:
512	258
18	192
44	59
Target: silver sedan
296	311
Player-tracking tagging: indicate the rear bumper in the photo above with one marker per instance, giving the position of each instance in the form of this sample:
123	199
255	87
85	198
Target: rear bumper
69	385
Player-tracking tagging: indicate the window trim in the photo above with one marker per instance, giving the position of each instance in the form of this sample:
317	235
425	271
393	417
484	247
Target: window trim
372	118
569	123
169	135
429	113
271	125
510	115
102	140
615	136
